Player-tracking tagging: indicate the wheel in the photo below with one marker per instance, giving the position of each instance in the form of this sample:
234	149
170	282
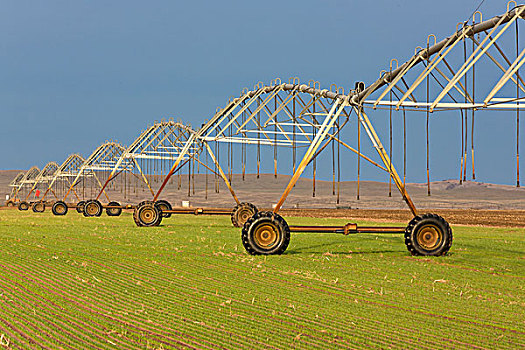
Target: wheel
241	213
147	214
59	208
38	207
23	206
164	205
80	207
265	233
114	211
10	203
428	235
92	207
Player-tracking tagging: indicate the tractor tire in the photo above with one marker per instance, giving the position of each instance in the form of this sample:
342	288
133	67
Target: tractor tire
265	233
147	214
10	203
114	211
428	235
22	206
38	207
164	205
59	208
80	207
92	208
241	213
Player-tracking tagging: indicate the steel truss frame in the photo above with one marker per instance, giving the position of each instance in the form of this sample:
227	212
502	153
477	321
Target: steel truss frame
45	176
102	159
443	76
161	142
249	118
67	170
14	185
281	115
24	182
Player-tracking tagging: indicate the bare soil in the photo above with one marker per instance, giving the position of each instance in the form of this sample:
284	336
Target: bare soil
469	203
496	218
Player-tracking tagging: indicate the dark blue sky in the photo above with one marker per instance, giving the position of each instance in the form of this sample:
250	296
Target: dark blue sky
76	73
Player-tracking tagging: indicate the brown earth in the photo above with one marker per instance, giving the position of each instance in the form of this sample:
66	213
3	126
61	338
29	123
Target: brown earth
497	218
470	203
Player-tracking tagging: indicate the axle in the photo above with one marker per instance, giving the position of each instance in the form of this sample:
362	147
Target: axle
199	211
347	229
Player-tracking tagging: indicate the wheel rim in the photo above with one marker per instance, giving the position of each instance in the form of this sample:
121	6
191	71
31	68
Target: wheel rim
244	214
147	215
60	209
113	211
429	237
92	209
266	235
39	207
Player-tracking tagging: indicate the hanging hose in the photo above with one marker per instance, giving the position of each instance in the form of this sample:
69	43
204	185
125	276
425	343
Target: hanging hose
193	175
314	165
258	138
517	116
189	177
404	148
390	163
465	152
427	126
206	179
338	162
358	152
473	111
333	167
275	142
293	133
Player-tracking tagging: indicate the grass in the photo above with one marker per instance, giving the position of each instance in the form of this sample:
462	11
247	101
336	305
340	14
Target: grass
76	282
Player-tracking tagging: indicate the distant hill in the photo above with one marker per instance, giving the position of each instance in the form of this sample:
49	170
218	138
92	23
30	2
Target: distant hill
266	190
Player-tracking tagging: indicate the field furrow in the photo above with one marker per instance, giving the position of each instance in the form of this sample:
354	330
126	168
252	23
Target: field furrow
78	283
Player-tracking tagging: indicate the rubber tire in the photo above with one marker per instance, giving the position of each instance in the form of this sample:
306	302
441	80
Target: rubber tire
80	207
23	206
419	222
93	203
163	205
10	203
239	221
261	218
59	208
113	211
147	205
38	207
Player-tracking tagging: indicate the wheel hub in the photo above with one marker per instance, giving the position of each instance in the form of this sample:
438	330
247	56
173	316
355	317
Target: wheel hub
266	235
429	237
91	209
147	215
245	214
60	209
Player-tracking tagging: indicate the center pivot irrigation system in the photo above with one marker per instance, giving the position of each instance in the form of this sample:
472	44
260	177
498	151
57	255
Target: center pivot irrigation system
21	185
440	77
144	164
474	70
43	178
97	165
14	184
56	182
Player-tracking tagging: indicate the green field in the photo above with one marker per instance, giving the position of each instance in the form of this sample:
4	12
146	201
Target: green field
73	282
